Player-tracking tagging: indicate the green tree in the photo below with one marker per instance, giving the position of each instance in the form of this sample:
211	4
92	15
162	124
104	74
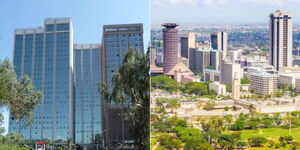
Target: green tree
165	83
278	93
131	90
228	88
245	80
210	105
169	141
227	142
257	141
173	104
195	88
18	95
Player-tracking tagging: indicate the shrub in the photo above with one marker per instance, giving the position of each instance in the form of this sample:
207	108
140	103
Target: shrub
257	141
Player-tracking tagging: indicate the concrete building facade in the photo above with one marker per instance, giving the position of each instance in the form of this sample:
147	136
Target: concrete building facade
116	41
219	42
170	43
229	71
263	83
186	43
280	39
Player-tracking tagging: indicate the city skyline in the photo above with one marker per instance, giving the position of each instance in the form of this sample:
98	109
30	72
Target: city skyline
219	11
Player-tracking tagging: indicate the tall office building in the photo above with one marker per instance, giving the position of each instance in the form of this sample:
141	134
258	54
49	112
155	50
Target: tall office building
88	115
202	60
116	41
229	71
46	56
170	42
280	39
186	43
219	42
152	51
215	59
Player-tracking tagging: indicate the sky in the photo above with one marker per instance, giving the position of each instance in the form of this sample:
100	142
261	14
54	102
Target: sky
220	12
88	17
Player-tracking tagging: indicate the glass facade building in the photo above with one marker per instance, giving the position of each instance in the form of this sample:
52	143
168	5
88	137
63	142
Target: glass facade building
46	56
116	41
88	118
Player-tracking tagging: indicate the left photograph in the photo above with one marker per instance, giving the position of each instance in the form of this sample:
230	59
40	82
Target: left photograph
74	75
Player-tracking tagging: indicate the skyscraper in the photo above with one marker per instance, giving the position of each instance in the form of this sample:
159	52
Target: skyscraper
186	43
46	55
152	51
280	39
88	105
219	42
215	59
116	41
202	60
170	42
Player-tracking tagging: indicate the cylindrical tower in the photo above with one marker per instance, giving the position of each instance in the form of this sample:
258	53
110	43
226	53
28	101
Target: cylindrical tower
170	39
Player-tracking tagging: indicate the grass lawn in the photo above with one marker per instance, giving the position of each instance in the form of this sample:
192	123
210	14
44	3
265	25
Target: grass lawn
270	134
11	147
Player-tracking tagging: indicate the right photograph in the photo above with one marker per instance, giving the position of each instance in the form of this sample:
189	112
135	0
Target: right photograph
225	75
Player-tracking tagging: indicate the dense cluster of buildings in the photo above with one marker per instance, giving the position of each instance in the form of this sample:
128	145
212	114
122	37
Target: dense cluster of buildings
68	75
228	67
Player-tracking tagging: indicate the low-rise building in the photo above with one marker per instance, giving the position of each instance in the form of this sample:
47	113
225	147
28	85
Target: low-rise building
211	75
263	83
218	87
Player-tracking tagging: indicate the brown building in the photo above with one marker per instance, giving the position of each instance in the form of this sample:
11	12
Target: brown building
170	40
116	41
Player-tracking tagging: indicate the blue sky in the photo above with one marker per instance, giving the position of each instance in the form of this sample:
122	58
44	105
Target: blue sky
220	11
88	17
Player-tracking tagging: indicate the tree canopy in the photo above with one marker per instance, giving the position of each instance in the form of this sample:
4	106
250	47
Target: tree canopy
245	80
17	94
164	82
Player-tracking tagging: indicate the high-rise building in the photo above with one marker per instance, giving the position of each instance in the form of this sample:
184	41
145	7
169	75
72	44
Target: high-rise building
88	105
152	51
263	83
280	39
229	71
187	42
116	41
45	54
202	60
215	59
219	42
170	42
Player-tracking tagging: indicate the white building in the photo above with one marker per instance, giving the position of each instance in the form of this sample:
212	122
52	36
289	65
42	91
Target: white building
219	88
263	83
228	70
280	37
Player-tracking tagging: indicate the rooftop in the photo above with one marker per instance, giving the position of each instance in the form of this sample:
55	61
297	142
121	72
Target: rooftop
263	74
170	25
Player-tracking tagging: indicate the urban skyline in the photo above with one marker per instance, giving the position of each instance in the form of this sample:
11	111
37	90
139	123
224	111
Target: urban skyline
211	10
